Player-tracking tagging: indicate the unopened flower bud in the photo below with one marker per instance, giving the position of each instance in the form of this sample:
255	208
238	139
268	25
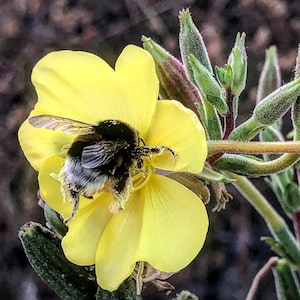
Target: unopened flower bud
238	62
191	42
276	104
224	76
174	83
208	86
268	111
270	77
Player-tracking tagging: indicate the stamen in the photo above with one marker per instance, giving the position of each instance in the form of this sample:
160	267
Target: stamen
141	178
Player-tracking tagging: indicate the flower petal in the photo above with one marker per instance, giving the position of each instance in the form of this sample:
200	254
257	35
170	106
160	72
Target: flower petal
115	258
77	85
175	225
164	224
177	127
135	69
81	241
50	188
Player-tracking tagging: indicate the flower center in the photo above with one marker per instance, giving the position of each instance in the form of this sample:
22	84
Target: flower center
141	178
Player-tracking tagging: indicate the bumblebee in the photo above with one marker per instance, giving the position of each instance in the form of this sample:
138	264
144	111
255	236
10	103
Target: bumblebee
106	155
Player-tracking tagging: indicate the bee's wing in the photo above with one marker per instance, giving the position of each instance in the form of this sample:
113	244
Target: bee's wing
100	154
60	123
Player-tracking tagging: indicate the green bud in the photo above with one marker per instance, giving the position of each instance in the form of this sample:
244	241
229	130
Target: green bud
174	83
44	252
224	76
287	285
191	42
238	62
208	86
270	77
275	105
268	111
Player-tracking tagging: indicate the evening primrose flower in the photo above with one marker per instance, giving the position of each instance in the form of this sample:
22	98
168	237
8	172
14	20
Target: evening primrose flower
163	223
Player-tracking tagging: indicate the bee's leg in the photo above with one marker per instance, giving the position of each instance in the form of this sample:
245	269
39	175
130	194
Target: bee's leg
148	151
120	188
75	203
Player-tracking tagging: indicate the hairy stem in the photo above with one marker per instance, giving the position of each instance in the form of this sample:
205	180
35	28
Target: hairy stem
230	146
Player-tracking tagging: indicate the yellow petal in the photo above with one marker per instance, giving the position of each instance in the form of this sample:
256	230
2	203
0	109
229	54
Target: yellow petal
175	225
50	188
77	85
115	258
177	127
135	69
39	144
81	241
164	224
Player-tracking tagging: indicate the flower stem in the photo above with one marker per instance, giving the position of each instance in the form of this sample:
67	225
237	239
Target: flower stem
276	224
230	146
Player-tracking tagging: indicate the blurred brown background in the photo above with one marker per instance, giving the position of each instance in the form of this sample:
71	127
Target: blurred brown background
30	29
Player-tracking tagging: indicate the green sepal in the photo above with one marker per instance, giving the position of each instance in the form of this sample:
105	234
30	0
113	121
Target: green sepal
191	42
44	252
208	85
224	76
287	285
126	291
55	221
193	182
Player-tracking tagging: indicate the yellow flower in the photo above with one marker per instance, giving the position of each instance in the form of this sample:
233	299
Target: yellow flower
163	223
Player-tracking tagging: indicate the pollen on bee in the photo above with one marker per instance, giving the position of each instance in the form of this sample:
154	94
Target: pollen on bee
115	207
